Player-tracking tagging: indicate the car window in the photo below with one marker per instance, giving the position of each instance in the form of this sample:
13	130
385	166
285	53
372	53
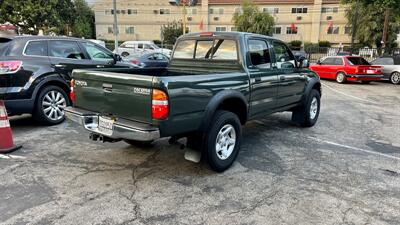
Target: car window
383	61
284	57
65	49
204	49
328	61
4	42
184	49
338	62
96	53
259	54
357	61
36	48
225	50
140	46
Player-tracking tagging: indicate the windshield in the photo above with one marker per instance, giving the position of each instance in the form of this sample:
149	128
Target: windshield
357	61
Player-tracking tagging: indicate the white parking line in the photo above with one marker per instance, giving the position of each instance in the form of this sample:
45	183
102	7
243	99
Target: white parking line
4	156
350	96
355	148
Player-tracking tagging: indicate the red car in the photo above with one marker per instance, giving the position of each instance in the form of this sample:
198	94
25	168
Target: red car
347	68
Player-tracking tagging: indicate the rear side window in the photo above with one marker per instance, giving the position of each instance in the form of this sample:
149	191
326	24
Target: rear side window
65	49
259	54
357	61
36	48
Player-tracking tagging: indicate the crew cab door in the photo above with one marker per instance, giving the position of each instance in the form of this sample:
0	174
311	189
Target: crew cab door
65	56
291	79
263	78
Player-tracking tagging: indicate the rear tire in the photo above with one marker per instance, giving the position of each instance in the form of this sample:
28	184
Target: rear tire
307	115
223	140
50	105
341	78
395	78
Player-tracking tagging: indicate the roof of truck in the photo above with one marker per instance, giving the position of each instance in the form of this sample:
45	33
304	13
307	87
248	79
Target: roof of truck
226	34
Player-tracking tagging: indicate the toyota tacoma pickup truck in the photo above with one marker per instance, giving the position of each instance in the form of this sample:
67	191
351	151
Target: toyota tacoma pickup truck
214	84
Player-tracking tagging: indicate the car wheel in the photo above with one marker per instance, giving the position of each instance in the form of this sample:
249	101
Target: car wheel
50	105
308	114
341	78
124	54
141	144
223	140
395	78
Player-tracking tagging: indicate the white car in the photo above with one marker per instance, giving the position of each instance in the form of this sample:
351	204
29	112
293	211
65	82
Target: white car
138	48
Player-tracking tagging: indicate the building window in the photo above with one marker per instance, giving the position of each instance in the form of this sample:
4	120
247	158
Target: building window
219	11
271	10
164	11
299	10
277	30
123	11
329	18
132	11
289	30
112	11
335	9
330	10
118	11
333	30
220	29
110	30
347	30
130	30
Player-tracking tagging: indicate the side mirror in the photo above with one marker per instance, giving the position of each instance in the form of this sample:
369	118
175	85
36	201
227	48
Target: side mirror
319	62
305	64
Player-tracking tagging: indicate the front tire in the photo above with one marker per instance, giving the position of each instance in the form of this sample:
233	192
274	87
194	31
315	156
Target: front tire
341	78
50	105
395	78
223	140
308	114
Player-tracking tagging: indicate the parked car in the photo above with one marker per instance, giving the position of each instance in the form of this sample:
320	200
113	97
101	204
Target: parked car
35	72
300	55
214	84
391	67
137	48
154	59
347	68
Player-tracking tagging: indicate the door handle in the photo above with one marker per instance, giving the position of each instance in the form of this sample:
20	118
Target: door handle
100	66
282	78
59	66
257	79
107	87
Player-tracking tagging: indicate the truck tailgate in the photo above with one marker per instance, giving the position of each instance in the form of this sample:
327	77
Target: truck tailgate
102	92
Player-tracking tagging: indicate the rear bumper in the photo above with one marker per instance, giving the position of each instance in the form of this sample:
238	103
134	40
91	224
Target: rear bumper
122	129
20	106
364	77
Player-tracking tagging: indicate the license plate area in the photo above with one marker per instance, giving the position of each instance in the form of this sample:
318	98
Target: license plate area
370	71
105	126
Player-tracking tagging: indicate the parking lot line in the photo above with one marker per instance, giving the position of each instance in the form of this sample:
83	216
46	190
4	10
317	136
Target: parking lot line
3	156
354	148
350	96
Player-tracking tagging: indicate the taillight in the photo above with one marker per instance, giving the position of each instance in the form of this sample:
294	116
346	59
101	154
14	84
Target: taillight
72	93
134	62
159	108
10	66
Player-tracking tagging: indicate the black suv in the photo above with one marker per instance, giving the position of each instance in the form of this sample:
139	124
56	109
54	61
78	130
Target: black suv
35	72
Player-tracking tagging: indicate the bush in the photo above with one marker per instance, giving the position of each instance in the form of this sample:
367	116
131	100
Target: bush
296	44
311	47
324	44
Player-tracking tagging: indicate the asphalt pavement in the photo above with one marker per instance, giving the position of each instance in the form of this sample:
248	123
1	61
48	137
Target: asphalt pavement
345	170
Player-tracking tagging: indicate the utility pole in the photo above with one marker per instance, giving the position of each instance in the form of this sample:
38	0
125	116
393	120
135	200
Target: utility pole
354	27
115	26
385	28
184	16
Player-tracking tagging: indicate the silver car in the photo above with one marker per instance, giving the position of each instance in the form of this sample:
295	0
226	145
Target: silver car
391	67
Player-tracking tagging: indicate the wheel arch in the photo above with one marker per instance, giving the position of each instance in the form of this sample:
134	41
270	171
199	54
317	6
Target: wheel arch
313	84
229	100
55	81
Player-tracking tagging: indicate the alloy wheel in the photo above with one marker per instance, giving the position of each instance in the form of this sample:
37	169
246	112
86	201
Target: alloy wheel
395	78
225	142
53	105
313	108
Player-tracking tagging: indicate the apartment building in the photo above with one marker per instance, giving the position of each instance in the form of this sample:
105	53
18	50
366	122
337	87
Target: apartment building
314	20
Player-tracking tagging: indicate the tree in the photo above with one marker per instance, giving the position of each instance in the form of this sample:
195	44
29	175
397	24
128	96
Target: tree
370	27
83	25
171	32
252	20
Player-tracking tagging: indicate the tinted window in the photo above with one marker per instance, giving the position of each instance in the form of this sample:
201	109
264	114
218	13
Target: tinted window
225	49
259	54
36	48
65	49
157	57
185	49
328	61
383	61
96	53
284	57
357	61
204	49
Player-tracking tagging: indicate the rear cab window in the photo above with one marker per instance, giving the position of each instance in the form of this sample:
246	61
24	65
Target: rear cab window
357	61
211	49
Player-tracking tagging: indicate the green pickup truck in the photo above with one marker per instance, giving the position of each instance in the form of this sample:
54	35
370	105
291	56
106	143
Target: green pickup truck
214	84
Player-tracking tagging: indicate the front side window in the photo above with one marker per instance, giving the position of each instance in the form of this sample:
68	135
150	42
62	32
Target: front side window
284	57
36	48
65	49
338	62
96	53
259	54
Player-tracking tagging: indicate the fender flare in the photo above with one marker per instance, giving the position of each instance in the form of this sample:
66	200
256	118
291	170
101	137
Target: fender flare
53	78
310	84
216	101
